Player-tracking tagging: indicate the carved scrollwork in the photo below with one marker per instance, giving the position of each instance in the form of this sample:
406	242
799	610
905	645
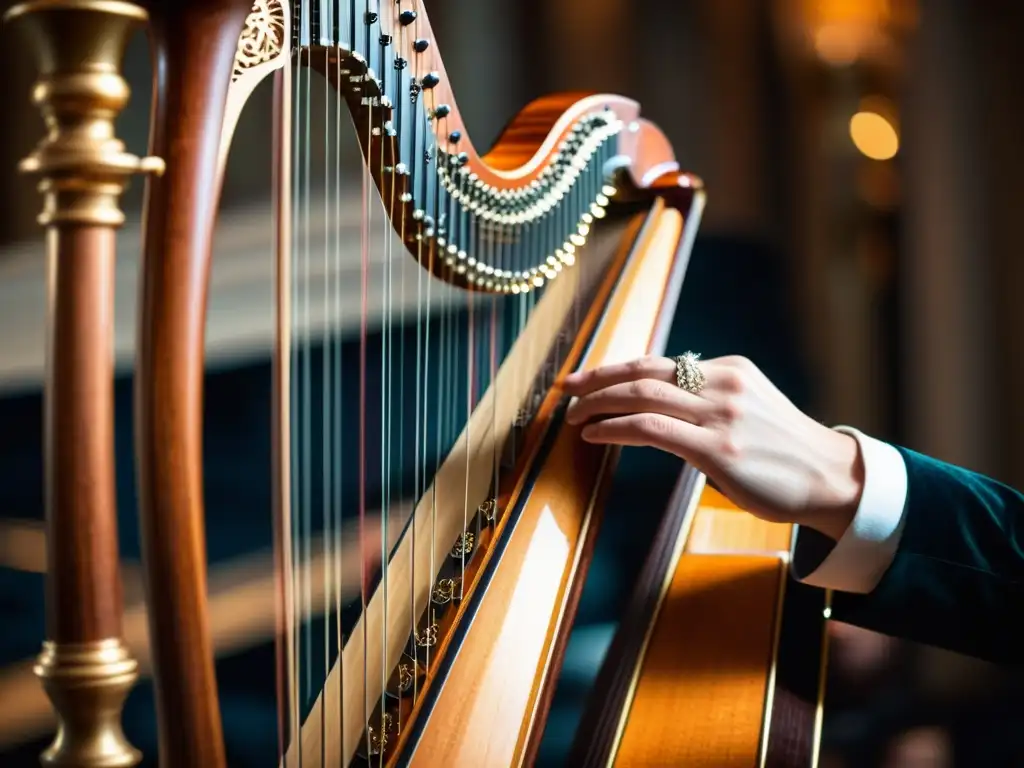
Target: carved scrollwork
489	510
262	39
463	546
406	677
377	738
444	591
428	637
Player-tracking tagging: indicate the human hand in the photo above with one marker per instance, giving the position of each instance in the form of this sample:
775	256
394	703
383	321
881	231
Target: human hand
740	431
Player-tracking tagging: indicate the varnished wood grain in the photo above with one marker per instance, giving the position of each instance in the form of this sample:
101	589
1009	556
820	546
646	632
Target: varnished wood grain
720	527
731	672
701	695
505	660
524	146
461	483
83	587
521	153
515	483
194	44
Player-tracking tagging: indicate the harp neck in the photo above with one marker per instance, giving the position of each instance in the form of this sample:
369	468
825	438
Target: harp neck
360	27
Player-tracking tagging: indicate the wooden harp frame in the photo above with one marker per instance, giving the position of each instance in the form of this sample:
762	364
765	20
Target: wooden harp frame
200	85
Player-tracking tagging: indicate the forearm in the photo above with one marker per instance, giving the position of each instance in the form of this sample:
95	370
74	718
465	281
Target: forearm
853	556
938	559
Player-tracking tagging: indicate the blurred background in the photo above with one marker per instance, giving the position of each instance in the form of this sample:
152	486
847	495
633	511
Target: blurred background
862	244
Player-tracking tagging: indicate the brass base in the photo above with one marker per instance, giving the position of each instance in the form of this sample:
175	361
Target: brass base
88	684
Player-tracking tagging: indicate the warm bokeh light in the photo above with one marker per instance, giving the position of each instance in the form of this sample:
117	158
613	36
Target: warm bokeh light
838	45
874	136
841	32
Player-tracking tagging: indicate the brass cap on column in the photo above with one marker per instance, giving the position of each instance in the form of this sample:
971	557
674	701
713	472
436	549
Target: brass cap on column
80	45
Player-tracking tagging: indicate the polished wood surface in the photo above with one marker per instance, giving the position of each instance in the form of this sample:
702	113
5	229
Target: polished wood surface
194	44
519	156
522	149
461	483
626	239
507	661
701	695
83	587
730	673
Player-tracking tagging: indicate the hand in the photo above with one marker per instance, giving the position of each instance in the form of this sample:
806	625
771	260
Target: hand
760	450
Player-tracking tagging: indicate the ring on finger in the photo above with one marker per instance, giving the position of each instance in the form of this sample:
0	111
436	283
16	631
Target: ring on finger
689	376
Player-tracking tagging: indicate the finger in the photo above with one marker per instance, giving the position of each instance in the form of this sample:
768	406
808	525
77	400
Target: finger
643	396
585	382
688	441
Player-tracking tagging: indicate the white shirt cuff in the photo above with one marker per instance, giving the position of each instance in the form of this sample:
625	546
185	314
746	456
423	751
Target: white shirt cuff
857	562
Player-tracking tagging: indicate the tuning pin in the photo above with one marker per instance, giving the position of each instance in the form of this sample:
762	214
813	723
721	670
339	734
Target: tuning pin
430	80
405	18
455	137
420	45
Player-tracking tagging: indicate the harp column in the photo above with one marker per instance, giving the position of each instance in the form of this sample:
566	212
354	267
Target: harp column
85	666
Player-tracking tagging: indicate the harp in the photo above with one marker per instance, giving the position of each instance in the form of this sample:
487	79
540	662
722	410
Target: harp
716	631
564	246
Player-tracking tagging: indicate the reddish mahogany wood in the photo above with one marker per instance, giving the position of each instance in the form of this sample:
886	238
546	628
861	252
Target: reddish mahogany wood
83	589
194	43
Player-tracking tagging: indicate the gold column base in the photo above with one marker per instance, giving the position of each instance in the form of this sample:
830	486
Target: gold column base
88	684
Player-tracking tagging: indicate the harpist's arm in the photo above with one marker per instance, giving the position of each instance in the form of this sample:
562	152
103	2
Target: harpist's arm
922	549
935	553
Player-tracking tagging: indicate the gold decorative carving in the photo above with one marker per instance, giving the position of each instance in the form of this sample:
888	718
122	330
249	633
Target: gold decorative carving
489	509
444	591
463	546
83	167
262	39
428	637
377	740
406	677
88	684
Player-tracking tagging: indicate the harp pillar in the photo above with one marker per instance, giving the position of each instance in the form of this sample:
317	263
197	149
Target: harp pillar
85	666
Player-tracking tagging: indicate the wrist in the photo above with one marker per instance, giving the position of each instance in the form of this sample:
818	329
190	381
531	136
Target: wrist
841	484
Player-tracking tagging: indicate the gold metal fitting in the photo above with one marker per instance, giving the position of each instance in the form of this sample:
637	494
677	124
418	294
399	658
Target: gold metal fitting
80	45
88	684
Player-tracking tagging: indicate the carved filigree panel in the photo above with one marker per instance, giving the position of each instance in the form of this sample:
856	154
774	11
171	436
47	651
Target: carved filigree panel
262	39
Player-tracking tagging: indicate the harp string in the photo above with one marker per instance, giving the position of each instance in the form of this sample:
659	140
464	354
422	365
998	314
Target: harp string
295	422
283	533
307	379
330	388
419	431
336	342
460	338
426	424
367	204
389	180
